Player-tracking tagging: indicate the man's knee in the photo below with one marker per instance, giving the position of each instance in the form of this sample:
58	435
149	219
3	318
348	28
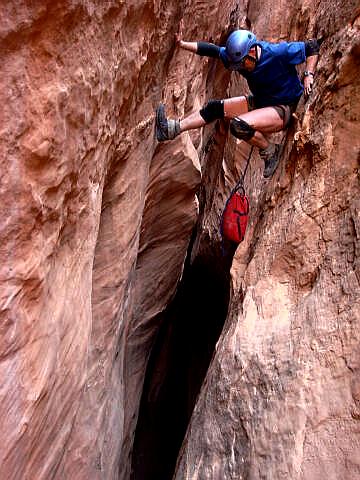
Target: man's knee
213	110
241	129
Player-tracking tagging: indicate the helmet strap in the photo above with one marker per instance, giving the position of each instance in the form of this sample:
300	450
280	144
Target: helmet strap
256	52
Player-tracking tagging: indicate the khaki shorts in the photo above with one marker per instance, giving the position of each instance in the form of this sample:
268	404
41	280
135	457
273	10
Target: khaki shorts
284	111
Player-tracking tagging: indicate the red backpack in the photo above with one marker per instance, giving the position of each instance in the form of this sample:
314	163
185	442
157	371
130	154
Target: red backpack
235	216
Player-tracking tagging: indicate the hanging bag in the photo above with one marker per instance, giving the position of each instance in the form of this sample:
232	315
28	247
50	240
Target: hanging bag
235	216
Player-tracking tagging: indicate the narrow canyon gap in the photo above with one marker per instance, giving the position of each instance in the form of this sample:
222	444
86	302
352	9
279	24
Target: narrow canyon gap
185	344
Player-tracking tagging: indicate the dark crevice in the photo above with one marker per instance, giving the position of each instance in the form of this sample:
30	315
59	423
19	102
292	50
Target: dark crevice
178	364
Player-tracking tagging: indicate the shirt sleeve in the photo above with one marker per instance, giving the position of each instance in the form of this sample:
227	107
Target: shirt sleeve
295	52
312	47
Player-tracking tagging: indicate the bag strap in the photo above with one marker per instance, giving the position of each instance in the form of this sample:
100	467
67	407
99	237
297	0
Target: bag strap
240	183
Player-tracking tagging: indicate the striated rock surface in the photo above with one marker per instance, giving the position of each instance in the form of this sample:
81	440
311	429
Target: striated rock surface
281	396
96	220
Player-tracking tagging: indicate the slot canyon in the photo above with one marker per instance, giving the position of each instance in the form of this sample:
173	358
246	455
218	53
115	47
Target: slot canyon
134	343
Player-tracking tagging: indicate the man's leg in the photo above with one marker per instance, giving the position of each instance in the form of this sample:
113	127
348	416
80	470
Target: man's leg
194	120
262	120
246	125
168	129
214	110
251	126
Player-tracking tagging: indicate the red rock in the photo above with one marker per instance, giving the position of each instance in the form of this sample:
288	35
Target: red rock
95	225
280	397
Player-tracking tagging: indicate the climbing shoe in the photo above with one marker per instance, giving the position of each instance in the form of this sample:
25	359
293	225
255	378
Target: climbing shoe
165	129
271	157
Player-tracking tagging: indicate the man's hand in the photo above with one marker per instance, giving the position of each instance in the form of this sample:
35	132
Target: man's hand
308	83
191	46
179	34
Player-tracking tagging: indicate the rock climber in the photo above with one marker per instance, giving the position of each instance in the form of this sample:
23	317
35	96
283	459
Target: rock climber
269	69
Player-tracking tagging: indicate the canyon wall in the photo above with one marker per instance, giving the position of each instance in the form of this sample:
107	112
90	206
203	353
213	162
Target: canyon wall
281	397
97	220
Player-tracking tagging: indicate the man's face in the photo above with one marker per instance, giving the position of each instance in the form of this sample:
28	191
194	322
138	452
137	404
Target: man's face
248	63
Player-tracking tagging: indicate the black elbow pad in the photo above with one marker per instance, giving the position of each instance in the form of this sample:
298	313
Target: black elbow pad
206	49
312	47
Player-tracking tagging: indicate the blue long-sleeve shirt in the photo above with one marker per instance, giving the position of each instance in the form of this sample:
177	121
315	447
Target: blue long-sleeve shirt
274	80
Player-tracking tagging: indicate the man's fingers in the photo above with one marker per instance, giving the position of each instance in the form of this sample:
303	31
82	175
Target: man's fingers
179	34
308	86
181	27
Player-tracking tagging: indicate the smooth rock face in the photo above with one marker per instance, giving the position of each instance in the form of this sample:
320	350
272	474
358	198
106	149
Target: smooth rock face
96	221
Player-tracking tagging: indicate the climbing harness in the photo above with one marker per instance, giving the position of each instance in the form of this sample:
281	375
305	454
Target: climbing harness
234	218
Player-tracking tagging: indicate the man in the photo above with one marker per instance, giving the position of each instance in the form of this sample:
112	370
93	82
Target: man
269	69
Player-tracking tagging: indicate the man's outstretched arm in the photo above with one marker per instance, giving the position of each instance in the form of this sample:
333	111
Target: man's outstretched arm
312	48
204	49
191	46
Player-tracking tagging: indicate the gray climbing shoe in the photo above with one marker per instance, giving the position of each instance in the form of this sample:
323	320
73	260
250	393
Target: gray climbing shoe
165	129
271	156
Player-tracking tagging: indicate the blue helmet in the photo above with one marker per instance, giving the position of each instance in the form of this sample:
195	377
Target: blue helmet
238	45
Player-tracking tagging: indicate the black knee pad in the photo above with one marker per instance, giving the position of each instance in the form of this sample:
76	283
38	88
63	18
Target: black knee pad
213	110
241	129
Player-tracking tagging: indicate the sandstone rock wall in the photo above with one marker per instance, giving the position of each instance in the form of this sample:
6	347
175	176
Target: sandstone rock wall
281	395
79	83
96	220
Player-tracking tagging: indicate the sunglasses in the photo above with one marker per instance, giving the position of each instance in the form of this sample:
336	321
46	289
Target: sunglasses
241	65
